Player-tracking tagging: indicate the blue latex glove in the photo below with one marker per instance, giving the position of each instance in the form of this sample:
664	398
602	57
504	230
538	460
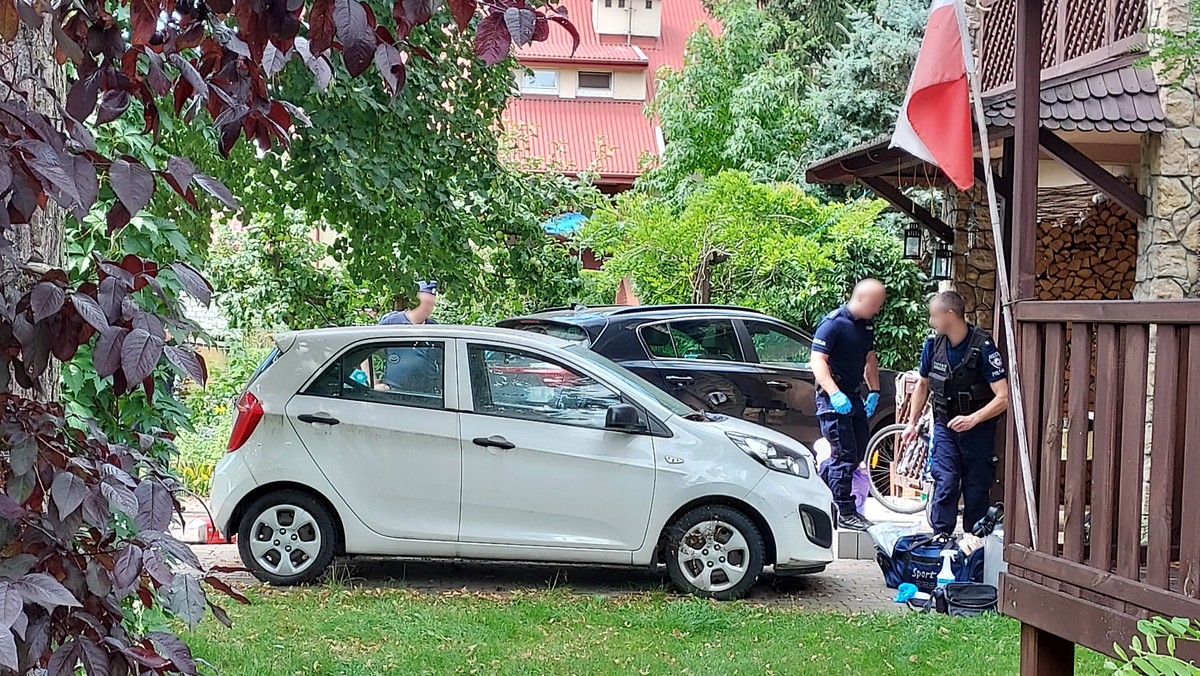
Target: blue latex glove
872	403
841	403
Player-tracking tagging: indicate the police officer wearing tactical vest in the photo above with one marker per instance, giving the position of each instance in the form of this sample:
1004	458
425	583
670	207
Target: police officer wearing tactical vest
964	373
843	357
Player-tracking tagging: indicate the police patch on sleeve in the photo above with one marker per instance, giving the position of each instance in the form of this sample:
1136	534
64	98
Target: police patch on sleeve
996	361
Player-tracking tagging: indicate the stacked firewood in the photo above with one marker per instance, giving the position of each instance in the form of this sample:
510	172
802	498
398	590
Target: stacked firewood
1091	258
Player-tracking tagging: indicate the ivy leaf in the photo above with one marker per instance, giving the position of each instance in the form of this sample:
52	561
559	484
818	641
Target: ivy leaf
90	311
68	492
492	40
154	506
520	22
175	650
186	599
45	300
463	11
358	38
140	352
45	591
320	26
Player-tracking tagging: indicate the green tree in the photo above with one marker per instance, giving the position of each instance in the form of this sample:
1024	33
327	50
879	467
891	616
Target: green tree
789	255
736	104
861	85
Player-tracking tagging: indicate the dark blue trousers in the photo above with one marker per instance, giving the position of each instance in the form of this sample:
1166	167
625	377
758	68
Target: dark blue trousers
964	464
847	436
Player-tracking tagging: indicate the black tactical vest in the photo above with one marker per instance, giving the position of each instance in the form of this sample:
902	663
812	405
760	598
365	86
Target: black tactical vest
962	389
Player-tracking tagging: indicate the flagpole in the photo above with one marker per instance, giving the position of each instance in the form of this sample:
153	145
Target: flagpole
1002	285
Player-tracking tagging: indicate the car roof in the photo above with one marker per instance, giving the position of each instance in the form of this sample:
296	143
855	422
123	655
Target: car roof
354	333
607	313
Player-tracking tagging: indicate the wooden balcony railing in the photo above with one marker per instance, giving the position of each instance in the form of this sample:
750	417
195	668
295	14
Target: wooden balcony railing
1117	516
1075	34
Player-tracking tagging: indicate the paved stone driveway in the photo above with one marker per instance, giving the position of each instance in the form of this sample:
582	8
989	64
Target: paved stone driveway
847	586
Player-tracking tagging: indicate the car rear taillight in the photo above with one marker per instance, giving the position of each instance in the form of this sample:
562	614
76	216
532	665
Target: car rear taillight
249	412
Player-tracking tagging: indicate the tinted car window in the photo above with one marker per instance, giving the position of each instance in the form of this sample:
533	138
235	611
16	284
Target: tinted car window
406	374
516	384
778	346
710	339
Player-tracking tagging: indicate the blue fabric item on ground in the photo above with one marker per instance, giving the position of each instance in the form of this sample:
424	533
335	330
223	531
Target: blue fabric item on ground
964	463
917	559
905	592
847	436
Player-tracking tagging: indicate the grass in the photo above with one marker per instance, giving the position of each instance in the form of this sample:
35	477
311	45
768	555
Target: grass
335	630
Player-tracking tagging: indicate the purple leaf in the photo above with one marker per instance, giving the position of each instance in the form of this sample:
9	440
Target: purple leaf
391	67
520	22
63	661
14	567
275	59
320	27
45	591
112	293
570	28
11	605
133	183
96	510
113	104
146	658
46	299
193	282
177	550
219	613
48	165
68	492
81	99
157	568
409	14
106	356
22	455
463	11
186	599
86	182
358	38
8	651
98	581
154	506
181	169
10	510
189	362
139	355
174	649
128	567
217	189
95	659
492	41
90	311
120	498
190	75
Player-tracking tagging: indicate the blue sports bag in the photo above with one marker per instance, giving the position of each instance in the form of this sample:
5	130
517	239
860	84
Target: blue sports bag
918	559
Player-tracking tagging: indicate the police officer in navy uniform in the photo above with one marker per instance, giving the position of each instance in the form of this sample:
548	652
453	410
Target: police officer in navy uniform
964	373
843	357
407	367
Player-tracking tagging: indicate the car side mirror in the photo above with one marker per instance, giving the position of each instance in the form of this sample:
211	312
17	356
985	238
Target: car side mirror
624	418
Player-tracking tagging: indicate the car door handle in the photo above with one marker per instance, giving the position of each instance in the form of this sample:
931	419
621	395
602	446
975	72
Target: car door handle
679	380
779	384
317	419
494	442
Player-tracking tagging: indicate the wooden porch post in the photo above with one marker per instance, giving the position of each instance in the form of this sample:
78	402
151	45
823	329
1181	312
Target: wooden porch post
1044	654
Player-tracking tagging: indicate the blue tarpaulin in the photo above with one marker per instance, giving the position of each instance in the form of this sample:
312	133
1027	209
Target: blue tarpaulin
564	225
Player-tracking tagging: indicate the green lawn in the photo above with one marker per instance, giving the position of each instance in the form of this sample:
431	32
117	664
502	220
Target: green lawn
388	631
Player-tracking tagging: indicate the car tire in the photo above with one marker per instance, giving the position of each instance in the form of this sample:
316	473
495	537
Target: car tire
715	552
287	538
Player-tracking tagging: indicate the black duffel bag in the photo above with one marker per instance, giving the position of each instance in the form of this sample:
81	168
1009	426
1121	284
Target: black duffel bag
965	599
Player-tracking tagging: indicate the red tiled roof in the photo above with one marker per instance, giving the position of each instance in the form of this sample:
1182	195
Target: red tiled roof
573	135
569	131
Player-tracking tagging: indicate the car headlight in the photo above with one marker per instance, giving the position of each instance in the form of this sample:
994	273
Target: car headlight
772	455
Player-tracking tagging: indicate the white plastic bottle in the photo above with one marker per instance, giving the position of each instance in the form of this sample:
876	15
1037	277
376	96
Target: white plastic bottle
946	574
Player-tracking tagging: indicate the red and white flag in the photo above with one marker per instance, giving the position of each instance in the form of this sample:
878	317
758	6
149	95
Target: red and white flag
935	120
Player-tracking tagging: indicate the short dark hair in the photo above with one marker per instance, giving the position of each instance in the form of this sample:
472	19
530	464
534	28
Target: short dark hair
952	301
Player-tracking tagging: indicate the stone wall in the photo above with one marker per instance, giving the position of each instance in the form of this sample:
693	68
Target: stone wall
974	272
1169	238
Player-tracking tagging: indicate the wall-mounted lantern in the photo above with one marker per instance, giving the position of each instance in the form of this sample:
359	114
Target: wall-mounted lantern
943	259
912	243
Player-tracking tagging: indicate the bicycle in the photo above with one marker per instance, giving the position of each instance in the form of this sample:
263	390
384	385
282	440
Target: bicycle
902	476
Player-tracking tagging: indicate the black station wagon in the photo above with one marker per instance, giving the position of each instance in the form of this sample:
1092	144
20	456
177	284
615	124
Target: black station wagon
727	360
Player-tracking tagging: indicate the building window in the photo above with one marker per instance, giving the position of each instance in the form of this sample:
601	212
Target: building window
621	4
649	4
608	3
595	84
540	82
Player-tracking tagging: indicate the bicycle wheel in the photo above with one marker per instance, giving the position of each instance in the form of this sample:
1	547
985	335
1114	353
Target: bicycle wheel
891	483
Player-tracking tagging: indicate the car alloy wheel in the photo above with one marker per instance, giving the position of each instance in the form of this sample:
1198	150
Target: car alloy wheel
713	556
287	538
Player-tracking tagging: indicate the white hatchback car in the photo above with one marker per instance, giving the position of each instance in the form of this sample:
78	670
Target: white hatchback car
484	443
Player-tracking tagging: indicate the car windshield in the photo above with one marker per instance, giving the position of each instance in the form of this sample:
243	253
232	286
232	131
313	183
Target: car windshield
633	381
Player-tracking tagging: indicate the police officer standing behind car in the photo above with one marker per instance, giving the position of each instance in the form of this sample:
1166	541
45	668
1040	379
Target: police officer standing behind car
964	373
411	368
844	356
